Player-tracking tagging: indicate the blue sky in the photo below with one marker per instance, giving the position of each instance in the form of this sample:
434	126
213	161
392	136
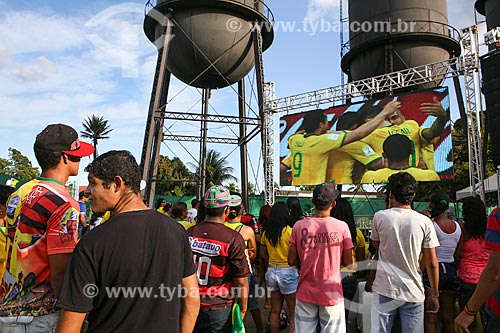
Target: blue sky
61	61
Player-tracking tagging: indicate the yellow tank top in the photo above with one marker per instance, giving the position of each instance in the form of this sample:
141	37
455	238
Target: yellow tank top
236	226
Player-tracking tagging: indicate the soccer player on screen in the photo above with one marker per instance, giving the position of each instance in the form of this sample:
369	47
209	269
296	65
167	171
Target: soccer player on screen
397	149
341	162
420	137
309	149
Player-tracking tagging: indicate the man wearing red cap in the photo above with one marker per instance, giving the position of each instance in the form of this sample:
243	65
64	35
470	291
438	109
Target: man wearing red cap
42	230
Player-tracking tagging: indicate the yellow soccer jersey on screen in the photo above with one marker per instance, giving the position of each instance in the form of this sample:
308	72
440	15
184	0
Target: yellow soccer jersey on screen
427	153
341	161
410	128
309	156
382	175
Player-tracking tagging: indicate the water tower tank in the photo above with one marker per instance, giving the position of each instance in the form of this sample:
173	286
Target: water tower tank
490	9
212	45
392	35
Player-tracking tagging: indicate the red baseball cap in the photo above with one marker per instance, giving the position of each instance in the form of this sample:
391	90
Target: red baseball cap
64	138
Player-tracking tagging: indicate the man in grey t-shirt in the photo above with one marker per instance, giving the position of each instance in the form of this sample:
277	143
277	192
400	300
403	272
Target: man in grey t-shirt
400	235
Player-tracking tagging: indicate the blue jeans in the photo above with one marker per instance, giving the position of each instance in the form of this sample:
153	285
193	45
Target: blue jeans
253	296
384	310
29	324
214	321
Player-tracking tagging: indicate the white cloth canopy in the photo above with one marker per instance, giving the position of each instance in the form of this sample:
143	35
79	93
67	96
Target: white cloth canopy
490	185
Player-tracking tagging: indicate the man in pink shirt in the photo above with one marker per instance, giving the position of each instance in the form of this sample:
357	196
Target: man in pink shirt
320	244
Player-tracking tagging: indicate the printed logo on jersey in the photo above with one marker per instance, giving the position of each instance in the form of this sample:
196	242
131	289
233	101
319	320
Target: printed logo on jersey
333	137
12	205
70	215
69	225
205	247
37	191
368	151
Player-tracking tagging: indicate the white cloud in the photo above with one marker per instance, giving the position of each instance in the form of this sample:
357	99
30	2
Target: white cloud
318	9
61	68
26	32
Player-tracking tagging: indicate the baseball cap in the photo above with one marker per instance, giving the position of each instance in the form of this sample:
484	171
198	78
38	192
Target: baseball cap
217	196
60	137
324	194
235	200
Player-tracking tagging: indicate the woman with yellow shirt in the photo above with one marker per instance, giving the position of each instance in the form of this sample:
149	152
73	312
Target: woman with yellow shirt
281	278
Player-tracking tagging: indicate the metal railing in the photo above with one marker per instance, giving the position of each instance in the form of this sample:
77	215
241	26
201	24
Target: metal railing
259	6
428	27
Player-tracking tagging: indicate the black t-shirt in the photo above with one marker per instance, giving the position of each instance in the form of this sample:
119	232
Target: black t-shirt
137	261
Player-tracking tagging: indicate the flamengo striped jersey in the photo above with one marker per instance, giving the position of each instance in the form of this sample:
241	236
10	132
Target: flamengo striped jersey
219	255
492	239
42	220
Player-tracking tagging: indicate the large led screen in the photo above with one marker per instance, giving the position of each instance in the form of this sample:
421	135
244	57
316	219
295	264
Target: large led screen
363	143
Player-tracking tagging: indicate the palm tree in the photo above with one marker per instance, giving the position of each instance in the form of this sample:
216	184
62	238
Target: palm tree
96	128
217	169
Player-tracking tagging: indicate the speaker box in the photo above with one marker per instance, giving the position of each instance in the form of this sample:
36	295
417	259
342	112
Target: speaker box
490	67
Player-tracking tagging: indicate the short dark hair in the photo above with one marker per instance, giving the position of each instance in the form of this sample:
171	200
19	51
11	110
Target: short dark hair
397	148
347	121
178	208
5	192
47	159
194	202
403	187
81	195
312	119
368	111
159	201
117	163
215	212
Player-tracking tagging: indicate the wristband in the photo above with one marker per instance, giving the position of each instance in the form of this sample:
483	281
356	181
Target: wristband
468	311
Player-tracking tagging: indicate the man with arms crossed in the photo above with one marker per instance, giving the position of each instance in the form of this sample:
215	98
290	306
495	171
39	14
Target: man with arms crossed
320	244
137	250
399	235
42	231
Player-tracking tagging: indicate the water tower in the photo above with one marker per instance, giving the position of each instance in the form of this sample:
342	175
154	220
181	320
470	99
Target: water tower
207	44
490	67
393	35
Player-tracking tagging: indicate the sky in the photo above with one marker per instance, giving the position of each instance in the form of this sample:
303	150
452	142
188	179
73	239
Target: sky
62	61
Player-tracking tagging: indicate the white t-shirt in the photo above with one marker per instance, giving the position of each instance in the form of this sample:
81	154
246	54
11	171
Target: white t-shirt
402	234
192	213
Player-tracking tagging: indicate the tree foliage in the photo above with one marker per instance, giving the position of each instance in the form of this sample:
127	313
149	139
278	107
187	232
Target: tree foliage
96	128
18	166
174	178
218	172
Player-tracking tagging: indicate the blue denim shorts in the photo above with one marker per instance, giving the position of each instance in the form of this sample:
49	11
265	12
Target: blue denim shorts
284	280
448	279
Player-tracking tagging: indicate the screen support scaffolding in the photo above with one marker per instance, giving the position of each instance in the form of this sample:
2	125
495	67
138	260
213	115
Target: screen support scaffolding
467	65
